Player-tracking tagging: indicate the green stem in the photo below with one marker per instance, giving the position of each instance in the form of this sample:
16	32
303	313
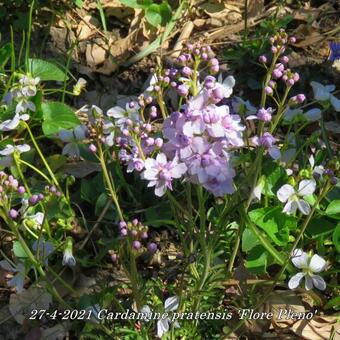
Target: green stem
36	170
43	158
29	31
109	184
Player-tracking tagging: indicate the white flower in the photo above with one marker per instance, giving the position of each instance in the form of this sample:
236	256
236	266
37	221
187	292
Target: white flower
121	115
73	137
68	258
11	124
163	325
311	115
227	85
29	85
34	221
288	194
309	266
17	281
9	149
243	107
324	93
257	192
23	105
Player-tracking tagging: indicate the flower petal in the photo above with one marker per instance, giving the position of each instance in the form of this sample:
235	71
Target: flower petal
285	192
307	187
300	259
335	102
290	207
295	280
313	114
308	282
317	264
162	326
318	282
171	304
303	206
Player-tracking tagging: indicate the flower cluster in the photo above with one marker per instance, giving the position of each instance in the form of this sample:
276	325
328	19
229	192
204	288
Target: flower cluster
22	92
136	230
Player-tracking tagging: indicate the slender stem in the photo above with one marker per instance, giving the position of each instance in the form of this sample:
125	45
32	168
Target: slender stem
29	31
36	170
43	158
109	183
325	137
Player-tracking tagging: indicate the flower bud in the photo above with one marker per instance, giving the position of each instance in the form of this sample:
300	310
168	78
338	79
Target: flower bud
13	214
152	247
136	244
21	190
263	59
92	148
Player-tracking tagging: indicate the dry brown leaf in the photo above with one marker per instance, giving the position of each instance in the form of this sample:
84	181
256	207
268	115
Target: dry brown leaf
86	27
281	300
95	54
255	7
22	304
318	328
199	22
183	37
307	15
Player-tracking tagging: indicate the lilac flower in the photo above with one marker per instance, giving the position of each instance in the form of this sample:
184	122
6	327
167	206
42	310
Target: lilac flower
9	150
160	173
243	107
312	115
268	141
262	114
68	258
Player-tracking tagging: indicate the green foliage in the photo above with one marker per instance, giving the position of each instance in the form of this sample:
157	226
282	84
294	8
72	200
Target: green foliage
57	116
156	14
45	70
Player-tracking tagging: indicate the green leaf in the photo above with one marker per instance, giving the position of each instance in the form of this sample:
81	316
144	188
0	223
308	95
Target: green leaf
336	237
275	223
153	15
275	177
333	209
18	250
318	227
45	70
257	260
249	240
143	4
158	14
5	54
57	116
79	3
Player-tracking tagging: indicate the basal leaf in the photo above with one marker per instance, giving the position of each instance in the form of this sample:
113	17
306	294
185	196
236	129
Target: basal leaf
45	70
57	116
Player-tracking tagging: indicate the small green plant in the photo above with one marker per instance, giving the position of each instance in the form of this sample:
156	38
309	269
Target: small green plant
156	14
